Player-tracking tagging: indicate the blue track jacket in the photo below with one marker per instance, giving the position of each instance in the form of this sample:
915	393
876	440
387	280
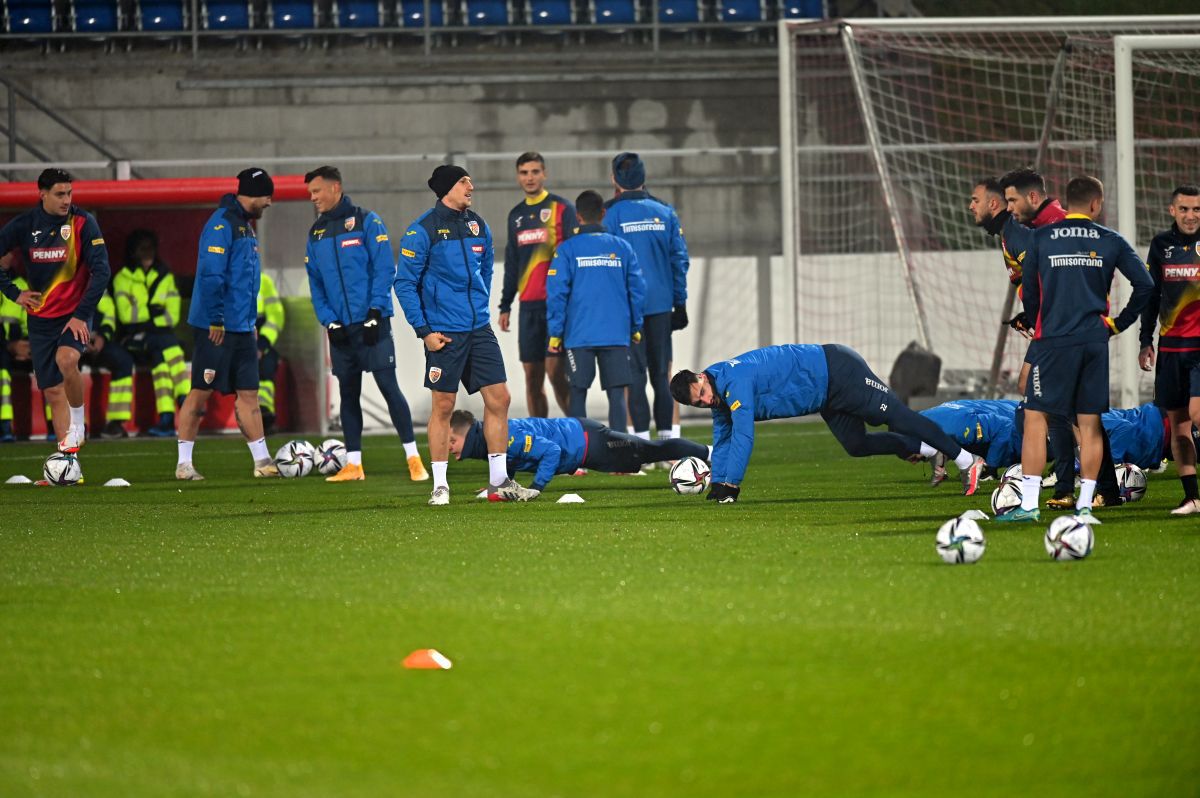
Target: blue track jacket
350	265
982	425
774	382
652	228
545	446
444	276
594	291
228	271
1138	435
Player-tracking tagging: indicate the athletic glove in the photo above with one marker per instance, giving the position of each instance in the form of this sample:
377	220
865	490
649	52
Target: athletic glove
1020	323
157	310
338	333
371	327
679	318
723	494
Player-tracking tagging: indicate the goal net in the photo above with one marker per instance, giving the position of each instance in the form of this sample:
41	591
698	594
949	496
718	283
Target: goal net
888	125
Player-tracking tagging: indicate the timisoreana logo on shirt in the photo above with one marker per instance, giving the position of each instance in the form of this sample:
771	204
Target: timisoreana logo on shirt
654	225
610	261
1090	260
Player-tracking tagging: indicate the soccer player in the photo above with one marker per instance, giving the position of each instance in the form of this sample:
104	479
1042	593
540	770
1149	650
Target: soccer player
1067	275
652	228
594	301
67	269
223	315
536	226
443	283
350	275
1174	262
549	446
796	380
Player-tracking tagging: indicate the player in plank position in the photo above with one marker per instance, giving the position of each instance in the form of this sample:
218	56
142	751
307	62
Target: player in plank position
549	446
796	380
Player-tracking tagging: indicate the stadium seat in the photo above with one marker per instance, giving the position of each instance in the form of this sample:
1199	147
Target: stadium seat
486	12
741	11
31	16
98	16
359	14
803	9
286	14
551	12
226	15
614	12
676	11
157	15
412	13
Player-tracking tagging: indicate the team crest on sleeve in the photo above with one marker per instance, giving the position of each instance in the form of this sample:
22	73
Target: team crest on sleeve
210	375
349	223
65	232
545	215
473	226
435	373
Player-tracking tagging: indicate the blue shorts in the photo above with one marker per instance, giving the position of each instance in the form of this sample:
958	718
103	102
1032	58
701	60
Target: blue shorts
472	358
352	356
46	335
1068	380
533	335
616	366
854	389
653	353
230	367
1176	379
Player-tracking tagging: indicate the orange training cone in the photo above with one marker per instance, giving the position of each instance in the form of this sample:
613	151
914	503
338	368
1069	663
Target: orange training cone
427	659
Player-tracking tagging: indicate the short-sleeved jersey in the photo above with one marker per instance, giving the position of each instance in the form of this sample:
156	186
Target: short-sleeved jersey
1174	263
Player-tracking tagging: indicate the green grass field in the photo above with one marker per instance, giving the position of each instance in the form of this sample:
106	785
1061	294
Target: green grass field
235	637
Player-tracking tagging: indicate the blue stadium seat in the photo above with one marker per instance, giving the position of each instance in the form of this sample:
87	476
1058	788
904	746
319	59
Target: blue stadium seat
486	12
614	12
162	15
226	15
95	16
412	13
359	14
550	12
803	9
676	11
742	11
293	14
31	16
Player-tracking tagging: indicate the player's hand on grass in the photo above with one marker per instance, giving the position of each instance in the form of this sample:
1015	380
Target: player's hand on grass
79	329
216	333
723	493
436	341
371	327
504	321
30	300
1146	358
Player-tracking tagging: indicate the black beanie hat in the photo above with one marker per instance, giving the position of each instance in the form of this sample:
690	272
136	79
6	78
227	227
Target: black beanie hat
445	177
255	182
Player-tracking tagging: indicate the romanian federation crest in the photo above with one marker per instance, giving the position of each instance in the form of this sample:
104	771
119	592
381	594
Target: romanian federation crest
349	223
435	373
545	215
210	375
65	232
473	226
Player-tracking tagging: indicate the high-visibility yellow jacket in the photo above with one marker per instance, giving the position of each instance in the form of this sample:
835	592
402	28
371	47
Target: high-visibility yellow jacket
270	311
14	321
146	298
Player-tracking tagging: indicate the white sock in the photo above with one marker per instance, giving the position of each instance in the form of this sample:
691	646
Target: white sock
439	474
629	429
709	458
497	468
258	450
185	452
674	430
964	459
927	451
410	449
354	458
77	417
1030	488
643	435
1087	489
665	435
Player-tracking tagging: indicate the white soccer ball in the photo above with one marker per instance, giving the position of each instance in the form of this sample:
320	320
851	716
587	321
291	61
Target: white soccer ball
690	476
960	540
1013	473
1006	497
331	456
1132	481
62	469
1068	538
295	459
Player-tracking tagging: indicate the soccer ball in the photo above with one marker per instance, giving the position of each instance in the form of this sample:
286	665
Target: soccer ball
960	540
689	476
294	459
331	456
1006	497
1013	473
1132	481
62	469
1069	539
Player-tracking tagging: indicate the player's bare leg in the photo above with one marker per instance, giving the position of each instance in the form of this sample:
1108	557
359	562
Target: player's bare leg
535	390
1091	452
1033	462
501	487
1183	449
439	445
1023	378
190	413
249	420
556	372
67	402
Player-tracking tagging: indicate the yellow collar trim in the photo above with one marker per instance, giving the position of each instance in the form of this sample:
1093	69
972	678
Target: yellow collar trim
538	198
1079	216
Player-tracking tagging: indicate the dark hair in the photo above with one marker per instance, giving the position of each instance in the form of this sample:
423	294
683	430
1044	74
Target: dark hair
681	386
1024	181
1083	190
526	157
461	418
589	207
1185	190
51	177
136	239
325	173
991	185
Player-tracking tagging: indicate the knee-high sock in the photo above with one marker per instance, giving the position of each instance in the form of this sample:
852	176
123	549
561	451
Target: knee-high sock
398	407
350	389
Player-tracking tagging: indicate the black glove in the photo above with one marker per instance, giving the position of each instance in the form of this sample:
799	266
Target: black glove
371	327
723	494
157	309
679	318
338	334
1019	322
